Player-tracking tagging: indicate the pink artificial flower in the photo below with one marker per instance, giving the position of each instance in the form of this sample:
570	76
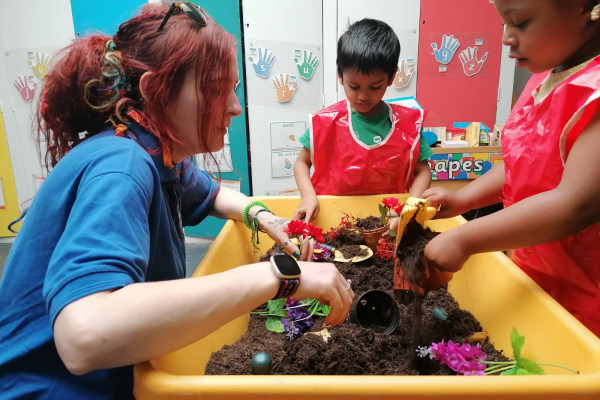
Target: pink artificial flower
464	359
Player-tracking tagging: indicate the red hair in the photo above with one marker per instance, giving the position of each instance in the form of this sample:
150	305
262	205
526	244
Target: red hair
182	45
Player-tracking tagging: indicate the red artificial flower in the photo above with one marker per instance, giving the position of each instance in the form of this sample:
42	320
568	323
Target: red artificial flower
398	209
385	249
296	227
390	202
315	232
332	233
348	221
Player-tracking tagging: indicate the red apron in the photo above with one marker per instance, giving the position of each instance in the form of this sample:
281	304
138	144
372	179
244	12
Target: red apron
536	141
345	166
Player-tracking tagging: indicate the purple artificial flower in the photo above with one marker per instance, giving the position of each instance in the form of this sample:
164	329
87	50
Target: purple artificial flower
298	320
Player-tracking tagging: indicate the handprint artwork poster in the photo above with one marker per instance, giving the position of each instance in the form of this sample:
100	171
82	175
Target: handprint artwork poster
470	61
26	71
285	87
448	46
39	63
306	62
261	60
26	86
471	58
404	74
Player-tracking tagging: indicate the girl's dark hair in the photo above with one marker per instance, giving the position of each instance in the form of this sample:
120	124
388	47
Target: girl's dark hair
368	45
95	80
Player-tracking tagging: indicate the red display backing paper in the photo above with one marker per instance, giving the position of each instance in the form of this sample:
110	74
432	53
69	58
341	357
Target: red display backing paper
452	95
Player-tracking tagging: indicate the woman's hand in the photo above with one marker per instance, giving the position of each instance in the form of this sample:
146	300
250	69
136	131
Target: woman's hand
323	281
275	227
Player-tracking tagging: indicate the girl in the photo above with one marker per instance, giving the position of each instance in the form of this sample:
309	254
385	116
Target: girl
551	149
89	287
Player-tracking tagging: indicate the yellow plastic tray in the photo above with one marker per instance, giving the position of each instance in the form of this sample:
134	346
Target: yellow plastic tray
490	286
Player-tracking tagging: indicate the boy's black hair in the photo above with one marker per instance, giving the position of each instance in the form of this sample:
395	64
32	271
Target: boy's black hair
366	46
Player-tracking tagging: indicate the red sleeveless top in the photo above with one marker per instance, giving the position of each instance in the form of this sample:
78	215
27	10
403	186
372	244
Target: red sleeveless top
536	142
345	166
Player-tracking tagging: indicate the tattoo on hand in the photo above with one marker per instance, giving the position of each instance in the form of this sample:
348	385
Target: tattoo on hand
279	221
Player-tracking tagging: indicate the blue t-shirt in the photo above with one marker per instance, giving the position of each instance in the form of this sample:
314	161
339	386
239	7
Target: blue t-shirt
108	215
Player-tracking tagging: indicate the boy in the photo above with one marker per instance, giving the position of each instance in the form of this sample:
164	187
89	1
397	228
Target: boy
363	145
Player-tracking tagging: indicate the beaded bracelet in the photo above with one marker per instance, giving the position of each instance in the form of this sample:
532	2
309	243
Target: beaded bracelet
256	227
247	222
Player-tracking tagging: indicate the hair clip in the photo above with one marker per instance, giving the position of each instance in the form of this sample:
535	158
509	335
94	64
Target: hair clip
595	15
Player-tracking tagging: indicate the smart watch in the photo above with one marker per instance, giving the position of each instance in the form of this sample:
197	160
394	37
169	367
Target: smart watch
286	268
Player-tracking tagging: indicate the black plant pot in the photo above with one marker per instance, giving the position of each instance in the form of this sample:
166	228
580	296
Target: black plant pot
375	308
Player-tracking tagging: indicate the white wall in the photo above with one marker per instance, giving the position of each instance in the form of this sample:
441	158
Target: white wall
36	26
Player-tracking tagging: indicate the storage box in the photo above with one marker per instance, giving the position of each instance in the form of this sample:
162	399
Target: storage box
490	286
453	143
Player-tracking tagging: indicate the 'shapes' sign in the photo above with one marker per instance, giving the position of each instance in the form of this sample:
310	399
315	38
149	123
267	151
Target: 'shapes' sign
462	165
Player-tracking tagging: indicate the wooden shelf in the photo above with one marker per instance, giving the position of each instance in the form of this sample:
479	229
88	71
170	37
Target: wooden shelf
476	149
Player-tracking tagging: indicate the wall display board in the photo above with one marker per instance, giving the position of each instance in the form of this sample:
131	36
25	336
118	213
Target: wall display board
459	61
284	77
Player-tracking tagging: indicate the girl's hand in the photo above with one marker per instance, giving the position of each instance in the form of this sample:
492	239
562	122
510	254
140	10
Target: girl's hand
445	252
451	204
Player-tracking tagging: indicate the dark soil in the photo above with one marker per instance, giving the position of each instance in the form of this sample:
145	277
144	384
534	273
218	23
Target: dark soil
352	250
369	223
410	252
354	349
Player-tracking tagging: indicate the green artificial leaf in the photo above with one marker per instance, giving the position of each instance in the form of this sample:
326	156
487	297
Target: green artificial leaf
512	371
384	213
323	310
274	324
391	233
276	307
530	366
516	341
315	307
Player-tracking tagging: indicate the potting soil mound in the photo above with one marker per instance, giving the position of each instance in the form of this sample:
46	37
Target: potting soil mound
352	349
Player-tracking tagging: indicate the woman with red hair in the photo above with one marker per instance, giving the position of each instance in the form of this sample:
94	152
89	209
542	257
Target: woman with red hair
90	286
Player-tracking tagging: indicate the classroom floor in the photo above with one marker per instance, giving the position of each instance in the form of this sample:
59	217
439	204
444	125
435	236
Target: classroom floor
195	248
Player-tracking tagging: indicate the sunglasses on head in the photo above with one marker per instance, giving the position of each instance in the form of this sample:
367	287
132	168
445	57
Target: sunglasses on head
190	9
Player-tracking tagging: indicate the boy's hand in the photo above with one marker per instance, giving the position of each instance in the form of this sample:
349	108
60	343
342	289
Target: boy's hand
308	209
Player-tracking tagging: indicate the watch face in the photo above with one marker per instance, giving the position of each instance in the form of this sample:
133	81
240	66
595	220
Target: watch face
286	265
